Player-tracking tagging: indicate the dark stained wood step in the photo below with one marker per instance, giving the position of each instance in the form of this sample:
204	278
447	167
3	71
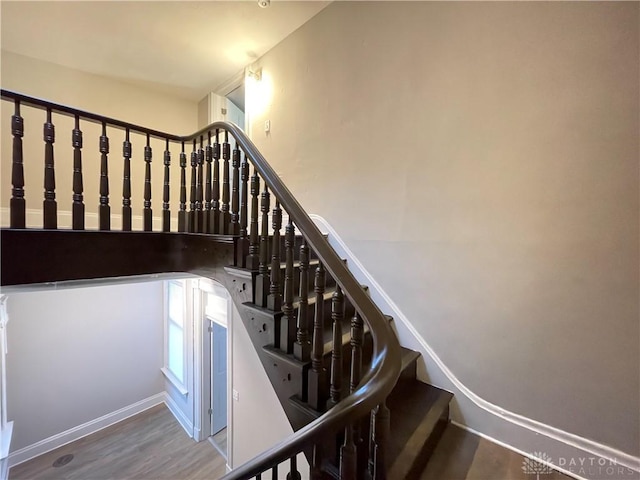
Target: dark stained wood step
419	415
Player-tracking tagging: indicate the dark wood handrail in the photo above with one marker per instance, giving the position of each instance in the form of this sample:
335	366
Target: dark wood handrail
377	383
385	363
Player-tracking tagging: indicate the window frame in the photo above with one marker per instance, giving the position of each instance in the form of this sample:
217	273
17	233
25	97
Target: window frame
170	375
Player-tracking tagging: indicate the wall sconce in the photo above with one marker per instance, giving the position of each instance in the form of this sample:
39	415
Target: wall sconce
255	74
259	91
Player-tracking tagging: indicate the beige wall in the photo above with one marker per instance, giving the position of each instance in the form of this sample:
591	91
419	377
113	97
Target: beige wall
481	160
106	96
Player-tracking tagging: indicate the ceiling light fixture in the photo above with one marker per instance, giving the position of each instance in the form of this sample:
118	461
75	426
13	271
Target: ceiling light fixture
264	3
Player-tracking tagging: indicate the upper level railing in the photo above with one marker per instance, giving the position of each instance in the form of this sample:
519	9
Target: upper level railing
219	198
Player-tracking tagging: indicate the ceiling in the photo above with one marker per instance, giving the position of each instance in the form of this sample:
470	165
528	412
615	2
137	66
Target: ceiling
184	48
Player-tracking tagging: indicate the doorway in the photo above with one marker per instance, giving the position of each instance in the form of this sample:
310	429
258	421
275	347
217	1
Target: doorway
216	316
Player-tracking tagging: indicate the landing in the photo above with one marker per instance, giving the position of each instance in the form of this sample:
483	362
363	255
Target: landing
40	256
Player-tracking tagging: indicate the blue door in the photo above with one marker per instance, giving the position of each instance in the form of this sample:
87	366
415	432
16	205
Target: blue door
219	379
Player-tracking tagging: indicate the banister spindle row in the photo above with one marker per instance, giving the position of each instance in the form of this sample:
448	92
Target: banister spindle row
209	200
218	194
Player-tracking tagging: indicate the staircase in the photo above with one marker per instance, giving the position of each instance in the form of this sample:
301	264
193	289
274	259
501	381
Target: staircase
347	387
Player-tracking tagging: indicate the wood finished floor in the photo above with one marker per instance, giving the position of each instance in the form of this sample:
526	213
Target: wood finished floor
153	445
220	441
148	446
461	455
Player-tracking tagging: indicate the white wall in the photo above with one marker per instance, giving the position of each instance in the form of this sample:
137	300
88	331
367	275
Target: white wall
106	96
78	354
259	422
481	160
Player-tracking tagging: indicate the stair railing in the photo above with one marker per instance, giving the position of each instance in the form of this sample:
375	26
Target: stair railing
221	198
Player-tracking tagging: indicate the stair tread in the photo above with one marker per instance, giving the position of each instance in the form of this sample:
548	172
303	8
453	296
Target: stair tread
416	409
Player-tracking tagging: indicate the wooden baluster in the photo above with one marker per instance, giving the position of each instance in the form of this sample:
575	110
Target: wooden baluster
288	322
348	456
274	300
49	207
318	374
182	214
274	472
234	222
253	259
215	207
337	316
243	241
146	211
166	213
302	347
77	207
208	158
293	474
17	203
104	211
126	184
194	189
379	438
353	443
357	339
225	217
262	280
316	464
199	194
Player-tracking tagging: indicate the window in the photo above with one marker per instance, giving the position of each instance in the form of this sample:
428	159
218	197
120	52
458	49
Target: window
175	333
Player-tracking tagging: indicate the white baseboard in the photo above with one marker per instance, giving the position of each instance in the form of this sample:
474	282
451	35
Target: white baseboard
76	433
5	440
493	422
518	451
177	412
